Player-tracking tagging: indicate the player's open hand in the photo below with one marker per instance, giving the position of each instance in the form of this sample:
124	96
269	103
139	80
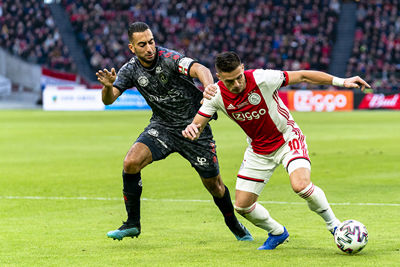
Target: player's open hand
106	77
192	131
356	82
210	91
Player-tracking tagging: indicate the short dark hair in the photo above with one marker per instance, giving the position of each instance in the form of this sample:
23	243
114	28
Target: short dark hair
136	27
227	61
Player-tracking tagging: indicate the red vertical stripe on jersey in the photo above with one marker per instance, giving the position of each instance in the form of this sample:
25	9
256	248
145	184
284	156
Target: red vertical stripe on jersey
250	111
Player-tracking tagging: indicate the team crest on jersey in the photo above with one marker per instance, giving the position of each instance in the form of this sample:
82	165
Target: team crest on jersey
143	81
254	98
158	69
163	78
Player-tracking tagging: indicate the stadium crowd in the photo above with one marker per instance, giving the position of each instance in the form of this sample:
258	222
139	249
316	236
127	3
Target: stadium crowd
27	30
376	50
276	34
271	33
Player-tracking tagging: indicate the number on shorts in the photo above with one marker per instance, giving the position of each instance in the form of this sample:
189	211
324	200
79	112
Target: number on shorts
294	144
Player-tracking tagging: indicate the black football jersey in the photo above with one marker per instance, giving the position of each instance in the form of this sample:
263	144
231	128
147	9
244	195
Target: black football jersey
167	87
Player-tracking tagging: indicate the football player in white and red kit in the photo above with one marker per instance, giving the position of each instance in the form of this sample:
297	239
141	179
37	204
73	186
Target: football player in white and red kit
250	98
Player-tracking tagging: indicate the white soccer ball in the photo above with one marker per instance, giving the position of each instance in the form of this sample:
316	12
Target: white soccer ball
351	236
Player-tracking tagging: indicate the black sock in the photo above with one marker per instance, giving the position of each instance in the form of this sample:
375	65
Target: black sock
132	192
225	206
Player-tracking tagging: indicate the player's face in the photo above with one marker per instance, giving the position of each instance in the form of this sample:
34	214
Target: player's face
234	80
144	47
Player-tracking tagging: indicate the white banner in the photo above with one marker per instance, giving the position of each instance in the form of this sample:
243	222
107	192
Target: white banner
72	100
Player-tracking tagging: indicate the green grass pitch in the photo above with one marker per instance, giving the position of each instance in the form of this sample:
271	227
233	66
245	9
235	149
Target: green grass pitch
61	186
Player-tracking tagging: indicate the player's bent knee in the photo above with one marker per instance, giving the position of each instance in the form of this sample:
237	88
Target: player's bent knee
244	210
299	172
132	165
300	185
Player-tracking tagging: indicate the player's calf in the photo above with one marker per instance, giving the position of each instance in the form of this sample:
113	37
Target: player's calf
317	202
260	217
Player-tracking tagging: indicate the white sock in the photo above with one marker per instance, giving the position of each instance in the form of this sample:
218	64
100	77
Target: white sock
260	217
318	203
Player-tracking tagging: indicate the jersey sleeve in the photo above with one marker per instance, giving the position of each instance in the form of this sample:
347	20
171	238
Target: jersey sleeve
177	61
124	78
271	79
210	107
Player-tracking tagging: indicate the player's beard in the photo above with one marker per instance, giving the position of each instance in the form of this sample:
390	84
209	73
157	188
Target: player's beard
147	59
237	90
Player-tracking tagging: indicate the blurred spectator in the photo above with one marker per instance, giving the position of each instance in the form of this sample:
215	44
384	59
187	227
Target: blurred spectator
27	30
376	50
277	34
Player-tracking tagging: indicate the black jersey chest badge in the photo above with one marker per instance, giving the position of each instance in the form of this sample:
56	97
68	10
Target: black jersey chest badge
161	75
143	81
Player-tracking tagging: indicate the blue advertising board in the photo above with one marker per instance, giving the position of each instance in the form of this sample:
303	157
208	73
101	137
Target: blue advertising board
130	99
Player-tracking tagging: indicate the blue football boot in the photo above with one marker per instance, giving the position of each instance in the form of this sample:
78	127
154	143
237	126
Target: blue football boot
126	230
333	230
246	237
275	240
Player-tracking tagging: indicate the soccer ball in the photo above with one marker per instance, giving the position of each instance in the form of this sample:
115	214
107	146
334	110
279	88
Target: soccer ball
351	236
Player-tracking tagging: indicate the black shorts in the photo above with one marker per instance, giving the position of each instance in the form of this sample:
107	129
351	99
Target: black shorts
201	153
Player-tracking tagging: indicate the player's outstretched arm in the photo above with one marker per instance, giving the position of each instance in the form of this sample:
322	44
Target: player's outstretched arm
194	129
322	78
109	92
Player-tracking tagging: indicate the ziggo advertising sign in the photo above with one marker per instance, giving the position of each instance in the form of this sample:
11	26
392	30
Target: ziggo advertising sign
307	100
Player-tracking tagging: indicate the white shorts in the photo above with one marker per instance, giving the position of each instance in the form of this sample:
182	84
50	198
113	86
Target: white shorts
256	169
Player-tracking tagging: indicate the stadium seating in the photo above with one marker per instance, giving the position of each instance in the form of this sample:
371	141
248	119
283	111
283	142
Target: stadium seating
271	33
376	50
277	34
27	30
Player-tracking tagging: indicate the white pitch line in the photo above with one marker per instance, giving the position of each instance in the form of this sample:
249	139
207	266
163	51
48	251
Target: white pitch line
189	200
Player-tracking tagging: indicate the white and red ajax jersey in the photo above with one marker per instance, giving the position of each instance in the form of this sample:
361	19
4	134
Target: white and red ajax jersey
258	110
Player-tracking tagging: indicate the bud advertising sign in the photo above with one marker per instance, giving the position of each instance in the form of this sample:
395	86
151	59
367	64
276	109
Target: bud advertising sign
307	100
380	101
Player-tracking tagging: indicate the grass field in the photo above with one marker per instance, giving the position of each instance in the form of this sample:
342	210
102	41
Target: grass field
61	185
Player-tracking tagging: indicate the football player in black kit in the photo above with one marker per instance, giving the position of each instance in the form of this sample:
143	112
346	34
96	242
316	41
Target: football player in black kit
164	78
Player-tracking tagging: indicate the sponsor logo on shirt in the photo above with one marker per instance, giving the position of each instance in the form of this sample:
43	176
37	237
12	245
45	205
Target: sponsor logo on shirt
249	115
173	95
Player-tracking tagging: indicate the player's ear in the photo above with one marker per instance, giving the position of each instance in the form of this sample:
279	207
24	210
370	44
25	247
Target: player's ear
131	47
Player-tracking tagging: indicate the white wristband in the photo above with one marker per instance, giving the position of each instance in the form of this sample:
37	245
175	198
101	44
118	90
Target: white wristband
337	81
